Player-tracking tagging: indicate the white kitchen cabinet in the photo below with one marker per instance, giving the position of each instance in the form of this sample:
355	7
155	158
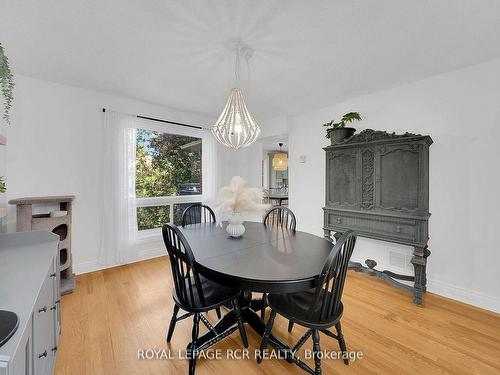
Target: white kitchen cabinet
29	287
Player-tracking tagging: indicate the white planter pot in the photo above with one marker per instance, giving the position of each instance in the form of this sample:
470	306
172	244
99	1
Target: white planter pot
235	227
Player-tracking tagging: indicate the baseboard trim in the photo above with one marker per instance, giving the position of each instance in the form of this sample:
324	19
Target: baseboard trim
470	297
94	265
445	289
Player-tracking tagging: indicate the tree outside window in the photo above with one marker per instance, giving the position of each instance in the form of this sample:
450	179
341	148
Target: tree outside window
167	165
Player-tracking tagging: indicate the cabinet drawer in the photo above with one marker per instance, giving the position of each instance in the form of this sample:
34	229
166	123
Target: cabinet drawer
44	328
399	229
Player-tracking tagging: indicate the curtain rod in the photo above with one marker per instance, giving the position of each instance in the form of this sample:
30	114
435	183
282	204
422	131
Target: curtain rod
165	121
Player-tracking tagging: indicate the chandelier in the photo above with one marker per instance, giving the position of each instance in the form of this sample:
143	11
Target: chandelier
280	160
235	126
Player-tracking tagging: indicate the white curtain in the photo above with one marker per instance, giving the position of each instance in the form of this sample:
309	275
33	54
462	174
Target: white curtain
119	218
210	163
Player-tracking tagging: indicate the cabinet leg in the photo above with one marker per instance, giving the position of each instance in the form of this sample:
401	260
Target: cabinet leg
419	261
326	234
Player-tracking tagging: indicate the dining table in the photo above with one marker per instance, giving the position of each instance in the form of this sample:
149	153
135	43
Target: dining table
265	259
279	197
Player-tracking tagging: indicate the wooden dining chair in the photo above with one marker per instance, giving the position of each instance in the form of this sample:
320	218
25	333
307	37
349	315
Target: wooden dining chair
278	216
195	294
317	309
197	213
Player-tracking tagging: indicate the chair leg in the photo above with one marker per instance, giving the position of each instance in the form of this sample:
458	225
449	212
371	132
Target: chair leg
194	338
267	333
290	326
316	351
342	344
264	305
241	326
217	310
172	323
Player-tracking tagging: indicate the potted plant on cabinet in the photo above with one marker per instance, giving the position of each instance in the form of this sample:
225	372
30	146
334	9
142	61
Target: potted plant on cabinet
337	132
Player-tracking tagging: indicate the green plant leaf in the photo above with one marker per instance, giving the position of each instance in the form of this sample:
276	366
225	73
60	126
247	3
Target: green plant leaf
6	84
351	116
3	187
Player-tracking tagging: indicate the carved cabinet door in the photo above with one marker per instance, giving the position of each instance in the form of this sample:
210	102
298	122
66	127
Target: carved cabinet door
399	175
342	174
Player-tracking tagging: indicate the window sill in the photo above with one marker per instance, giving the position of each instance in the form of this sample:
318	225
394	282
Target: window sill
149	235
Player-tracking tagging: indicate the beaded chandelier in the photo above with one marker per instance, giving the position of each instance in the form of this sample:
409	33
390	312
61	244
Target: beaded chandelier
235	127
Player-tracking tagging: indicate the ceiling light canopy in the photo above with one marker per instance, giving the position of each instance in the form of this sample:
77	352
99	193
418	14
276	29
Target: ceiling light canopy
236	127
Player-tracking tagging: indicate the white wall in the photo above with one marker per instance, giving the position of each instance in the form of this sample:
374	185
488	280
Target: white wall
54	149
461	111
3	169
245	162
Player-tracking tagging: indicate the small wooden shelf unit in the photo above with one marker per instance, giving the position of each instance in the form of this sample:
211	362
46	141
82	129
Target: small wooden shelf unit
27	221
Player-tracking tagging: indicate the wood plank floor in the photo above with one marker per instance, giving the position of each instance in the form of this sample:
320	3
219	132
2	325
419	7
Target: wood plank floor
118	311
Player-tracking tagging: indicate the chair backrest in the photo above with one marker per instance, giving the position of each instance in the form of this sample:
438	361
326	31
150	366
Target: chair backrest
280	216
197	213
330	284
187	281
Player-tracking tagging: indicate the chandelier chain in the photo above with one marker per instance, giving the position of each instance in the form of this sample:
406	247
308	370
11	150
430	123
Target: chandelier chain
237	66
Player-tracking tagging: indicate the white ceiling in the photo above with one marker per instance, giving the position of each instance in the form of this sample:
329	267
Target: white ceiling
308	54
272	143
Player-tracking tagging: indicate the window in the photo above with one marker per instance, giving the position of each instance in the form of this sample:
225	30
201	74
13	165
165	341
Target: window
168	176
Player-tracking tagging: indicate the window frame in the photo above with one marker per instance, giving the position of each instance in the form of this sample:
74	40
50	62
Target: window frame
173	199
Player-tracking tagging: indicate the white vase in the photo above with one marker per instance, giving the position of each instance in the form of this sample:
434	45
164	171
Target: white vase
235	227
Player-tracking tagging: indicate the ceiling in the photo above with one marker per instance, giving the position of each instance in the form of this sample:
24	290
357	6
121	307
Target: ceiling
271	143
308	54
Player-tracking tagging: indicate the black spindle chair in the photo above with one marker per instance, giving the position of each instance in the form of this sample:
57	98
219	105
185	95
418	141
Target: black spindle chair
197	213
195	294
317	309
278	216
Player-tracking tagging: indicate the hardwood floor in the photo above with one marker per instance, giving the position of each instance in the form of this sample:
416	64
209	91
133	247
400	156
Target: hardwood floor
118	311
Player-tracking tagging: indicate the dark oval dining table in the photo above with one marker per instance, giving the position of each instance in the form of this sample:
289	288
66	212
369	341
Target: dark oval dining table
265	259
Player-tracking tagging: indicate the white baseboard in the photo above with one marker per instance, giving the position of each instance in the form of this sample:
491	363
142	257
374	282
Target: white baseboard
471	297
94	265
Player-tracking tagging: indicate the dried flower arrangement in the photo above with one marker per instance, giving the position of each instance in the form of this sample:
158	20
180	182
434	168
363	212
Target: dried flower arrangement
237	198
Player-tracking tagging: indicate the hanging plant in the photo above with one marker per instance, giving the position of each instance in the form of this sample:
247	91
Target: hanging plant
7	84
3	187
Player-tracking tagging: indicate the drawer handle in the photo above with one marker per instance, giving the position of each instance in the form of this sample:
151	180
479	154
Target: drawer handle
43	309
53	307
54	349
339	220
58	301
53	274
398	229
44	354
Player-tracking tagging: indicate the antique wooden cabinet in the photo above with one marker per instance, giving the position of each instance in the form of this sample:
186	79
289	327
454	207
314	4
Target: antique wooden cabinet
377	183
